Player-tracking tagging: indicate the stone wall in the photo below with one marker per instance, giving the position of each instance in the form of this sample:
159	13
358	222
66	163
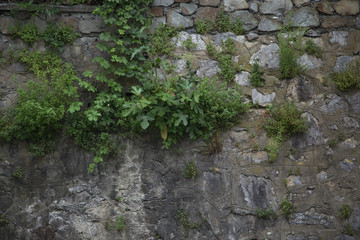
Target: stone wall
59	199
262	16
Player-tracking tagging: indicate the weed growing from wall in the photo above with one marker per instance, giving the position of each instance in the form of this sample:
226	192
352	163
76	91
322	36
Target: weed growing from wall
222	23
284	120
224	57
348	79
290	50
42	103
59	36
28	32
255	75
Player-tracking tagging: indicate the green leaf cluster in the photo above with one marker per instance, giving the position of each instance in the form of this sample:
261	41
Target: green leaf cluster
54	35
42	102
287	208
222	23
59	36
228	67
160	40
349	78
255	75
28	32
284	120
290	50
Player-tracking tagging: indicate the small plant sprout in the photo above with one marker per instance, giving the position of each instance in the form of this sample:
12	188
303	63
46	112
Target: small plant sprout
190	170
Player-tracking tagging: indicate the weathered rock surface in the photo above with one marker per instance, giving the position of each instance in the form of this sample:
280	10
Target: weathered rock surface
195	38
248	20
304	17
339	37
162	2
276	7
177	20
242	78
267	56
213	3
208	68
188	8
233	5
341	63
262	99
267	25
325	7
312	218
347	7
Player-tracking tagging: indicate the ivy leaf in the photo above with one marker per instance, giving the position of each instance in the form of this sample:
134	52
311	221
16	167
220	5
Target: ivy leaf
75	106
144	121
105	36
181	118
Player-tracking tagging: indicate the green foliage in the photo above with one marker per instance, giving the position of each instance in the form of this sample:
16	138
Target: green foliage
160	40
348	79
332	142
53	35
287	208
227	66
59	36
255	75
289	52
118	225
222	23
183	217
18	173
28	32
285	120
272	149
312	49
204	27
118	199
190	170
3	220
267	213
348	230
189	44
42	103
345	211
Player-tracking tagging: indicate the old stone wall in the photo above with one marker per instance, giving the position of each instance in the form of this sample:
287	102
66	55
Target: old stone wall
59	199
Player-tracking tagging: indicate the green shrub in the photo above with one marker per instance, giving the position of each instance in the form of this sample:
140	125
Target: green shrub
348	230
255	75
285	120
183	217
287	208
222	23
42	103
267	213
345	211
160	40
3	220
273	149
312	49
204	27
59	36
28	32
190	170
289	52
348	79
18	173
189	44
227	66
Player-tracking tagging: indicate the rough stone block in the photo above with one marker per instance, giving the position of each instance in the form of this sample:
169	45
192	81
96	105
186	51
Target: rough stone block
347	7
